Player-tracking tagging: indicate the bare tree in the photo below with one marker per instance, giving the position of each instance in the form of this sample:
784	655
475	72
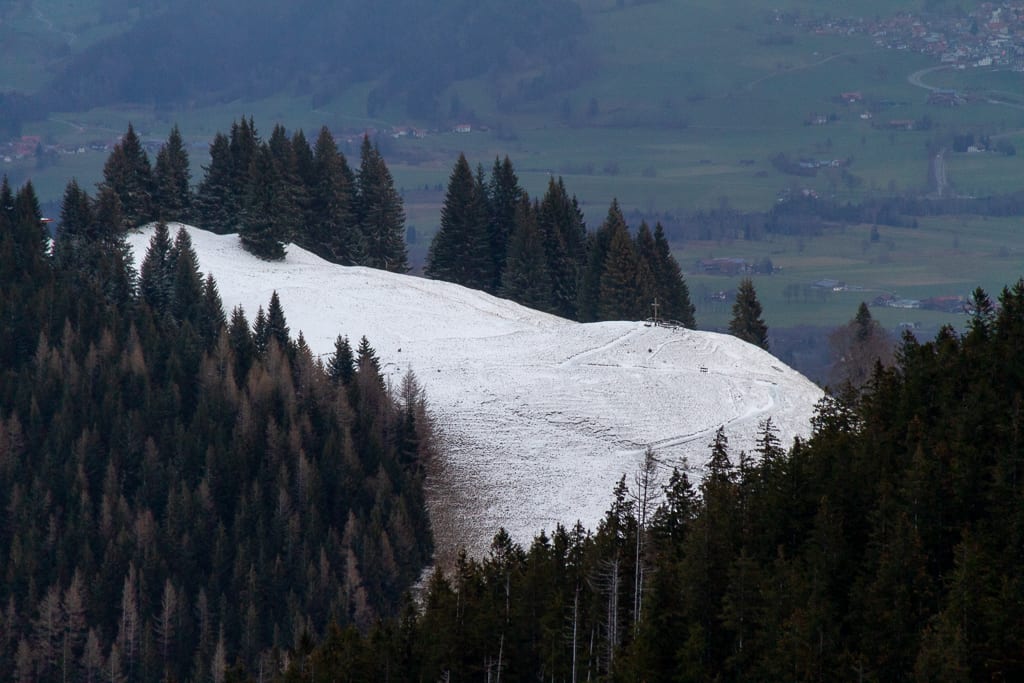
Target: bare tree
647	486
129	630
73	613
166	620
92	657
857	347
48	631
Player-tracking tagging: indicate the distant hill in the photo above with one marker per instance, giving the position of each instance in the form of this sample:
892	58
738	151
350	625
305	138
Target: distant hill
539	416
225	50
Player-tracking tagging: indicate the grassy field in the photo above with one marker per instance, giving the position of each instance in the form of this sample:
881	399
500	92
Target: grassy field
942	257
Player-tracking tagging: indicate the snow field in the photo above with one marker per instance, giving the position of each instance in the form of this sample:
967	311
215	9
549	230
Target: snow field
538	416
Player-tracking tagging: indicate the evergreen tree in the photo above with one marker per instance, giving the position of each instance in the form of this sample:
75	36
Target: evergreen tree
172	176
277	326
293	203
91	249
366	356
331	231
75	231
379	213
260	229
525	279
6	206
647	266
157	272
624	286
673	293
243	144
565	241
211	320
504	196
187	297
129	175
746	322
305	169
341	366
241	339
114	268
597	246
461	249
217	205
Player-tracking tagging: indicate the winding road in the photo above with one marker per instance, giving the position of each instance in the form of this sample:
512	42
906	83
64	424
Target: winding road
917	79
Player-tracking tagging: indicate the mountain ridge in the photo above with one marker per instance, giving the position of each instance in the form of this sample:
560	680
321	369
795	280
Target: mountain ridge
538	416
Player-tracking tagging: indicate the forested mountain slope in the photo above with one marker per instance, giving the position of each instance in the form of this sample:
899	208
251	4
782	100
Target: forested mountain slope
538	416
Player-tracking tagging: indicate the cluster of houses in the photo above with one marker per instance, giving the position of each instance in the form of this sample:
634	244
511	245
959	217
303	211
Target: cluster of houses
399	132
988	34
28	146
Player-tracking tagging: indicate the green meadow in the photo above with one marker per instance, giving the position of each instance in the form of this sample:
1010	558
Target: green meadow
941	257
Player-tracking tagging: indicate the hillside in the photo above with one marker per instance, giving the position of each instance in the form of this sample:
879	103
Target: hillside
539	416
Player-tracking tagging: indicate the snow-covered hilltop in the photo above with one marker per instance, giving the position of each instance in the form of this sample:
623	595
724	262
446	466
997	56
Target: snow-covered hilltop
539	416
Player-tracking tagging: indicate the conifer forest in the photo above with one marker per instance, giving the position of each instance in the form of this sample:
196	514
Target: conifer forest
190	494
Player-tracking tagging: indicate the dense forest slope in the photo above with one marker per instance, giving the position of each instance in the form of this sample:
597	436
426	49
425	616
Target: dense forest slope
886	547
181	490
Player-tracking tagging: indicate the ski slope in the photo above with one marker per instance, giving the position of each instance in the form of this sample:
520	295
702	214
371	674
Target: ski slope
538	416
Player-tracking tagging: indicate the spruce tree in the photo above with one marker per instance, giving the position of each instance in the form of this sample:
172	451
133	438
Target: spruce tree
76	225
277	326
673	293
565	240
293	203
260	333
461	250
598	246
306	170
379	213
526	279
129	175
26	209
6	206
244	144
157	272
647	265
187	298
746	322
623	286
113	259
341	365
172	176
331	232
210	319
242	344
217	205
504	195
260	229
